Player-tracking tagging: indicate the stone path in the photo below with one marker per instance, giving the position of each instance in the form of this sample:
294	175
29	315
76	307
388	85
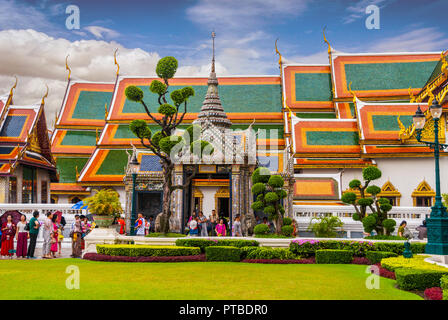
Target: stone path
65	253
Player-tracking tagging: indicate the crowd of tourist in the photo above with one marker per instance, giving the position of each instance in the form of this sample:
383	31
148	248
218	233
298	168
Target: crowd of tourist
142	226
201	226
25	235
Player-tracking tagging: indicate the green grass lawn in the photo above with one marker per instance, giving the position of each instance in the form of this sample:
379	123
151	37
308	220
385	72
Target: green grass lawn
45	279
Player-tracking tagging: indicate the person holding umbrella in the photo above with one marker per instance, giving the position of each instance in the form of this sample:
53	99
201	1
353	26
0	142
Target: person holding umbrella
8	233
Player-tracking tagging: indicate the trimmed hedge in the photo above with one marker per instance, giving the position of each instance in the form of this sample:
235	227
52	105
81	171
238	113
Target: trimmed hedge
271	253
376	256
165	235
130	250
278	261
308	248
223	253
103	257
384	237
444	286
261	229
417	279
334	256
204	243
417	262
246	250
287	231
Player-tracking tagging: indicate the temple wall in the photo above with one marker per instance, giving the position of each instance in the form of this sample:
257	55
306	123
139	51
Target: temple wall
208	203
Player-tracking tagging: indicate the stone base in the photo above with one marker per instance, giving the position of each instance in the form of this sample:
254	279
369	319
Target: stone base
440	260
99	236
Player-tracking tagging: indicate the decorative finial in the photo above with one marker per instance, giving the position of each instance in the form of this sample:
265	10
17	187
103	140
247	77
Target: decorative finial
352	92
45	96
213	44
116	63
326	41
279	54
67	67
76	172
13	87
97	136
106	113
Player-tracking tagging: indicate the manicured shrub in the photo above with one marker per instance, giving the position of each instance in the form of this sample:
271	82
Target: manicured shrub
308	248
398	247
444	286
279	261
384	237
221	253
271	253
103	257
376	256
417	262
418	279
287	221
287	231
130	250
334	256
246	250
271	235
165	235
261	229
434	293
204	243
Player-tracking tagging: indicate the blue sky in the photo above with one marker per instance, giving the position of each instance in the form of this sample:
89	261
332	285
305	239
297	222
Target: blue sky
34	40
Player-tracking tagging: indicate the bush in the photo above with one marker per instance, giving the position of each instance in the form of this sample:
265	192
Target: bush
418	279
103	257
221	253
165	235
376	256
434	293
271	235
261	229
308	248
287	231
271	253
334	256
287	221
398	247
384	237
444	286
325	227
130	250
246	250
417	263
204	243
278	261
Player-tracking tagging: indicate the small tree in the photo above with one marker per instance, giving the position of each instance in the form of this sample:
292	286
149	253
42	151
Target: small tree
269	191
377	220
325	227
164	143
104	202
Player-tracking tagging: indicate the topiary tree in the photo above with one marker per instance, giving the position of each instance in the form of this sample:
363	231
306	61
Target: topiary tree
164	143
377	219
269	191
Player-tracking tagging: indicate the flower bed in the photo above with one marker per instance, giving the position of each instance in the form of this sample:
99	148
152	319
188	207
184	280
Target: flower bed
385	273
108	258
204	243
130	250
434	293
280	261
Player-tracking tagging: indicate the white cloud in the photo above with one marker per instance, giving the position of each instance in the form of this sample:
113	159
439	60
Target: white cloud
101	32
21	16
358	10
423	39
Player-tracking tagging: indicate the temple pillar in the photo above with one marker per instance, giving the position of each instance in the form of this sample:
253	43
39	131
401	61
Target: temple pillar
176	201
236	191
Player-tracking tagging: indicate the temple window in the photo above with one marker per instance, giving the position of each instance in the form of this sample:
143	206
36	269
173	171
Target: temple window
388	191
29	185
423	195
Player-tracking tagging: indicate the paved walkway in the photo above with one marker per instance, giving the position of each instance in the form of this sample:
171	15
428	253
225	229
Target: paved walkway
65	253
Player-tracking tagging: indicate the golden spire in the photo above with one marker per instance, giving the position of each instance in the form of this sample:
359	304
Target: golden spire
45	96
328	43
106	113
67	67
116	63
279	54
13	87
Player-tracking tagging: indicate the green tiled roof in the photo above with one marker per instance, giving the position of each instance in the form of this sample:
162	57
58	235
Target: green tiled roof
114	163
316	115
268	128
313	87
389	122
79	138
332	138
91	104
123	131
234	98
382	76
66	168
436	72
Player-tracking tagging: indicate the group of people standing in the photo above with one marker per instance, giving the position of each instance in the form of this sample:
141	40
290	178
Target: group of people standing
23	230
202	226
142	226
80	228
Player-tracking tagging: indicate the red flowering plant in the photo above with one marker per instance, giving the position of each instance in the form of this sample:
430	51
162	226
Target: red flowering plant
434	293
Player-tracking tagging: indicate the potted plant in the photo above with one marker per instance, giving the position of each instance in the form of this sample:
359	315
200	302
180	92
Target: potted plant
104	205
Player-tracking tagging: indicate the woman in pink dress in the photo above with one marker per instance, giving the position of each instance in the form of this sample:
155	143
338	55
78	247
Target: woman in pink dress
221	228
54	237
8	233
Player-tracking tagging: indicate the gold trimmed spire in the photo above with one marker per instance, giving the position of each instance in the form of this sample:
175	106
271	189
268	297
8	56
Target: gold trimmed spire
115	61
213	44
68	68
45	96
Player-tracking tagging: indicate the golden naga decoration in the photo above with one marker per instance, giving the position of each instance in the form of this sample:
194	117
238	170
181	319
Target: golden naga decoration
67	67
328	43
106	113
405	133
444	67
13	87
431	97
441	95
45	96
352	92
116	63
411	95
56	117
97	136
279	54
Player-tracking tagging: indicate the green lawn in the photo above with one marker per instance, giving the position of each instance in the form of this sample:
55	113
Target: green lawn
45	279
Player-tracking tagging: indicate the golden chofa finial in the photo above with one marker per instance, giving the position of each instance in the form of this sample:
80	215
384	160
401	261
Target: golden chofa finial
13	87
45	96
97	136
411	95
326	41
106	112
67	67
352	92
116	63
279	54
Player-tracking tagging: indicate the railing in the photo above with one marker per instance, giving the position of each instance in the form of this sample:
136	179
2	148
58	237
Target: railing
29	208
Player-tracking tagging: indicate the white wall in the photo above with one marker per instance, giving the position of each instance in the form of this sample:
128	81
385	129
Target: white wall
209	199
